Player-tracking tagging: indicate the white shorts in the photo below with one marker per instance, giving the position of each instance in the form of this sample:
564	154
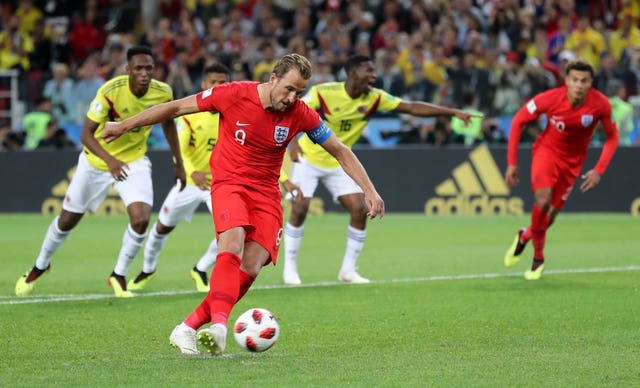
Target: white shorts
180	205
90	186
337	182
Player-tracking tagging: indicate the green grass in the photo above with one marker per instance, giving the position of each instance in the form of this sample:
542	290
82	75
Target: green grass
422	322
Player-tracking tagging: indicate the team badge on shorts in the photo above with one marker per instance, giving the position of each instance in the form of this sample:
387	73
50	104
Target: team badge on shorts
586	120
280	134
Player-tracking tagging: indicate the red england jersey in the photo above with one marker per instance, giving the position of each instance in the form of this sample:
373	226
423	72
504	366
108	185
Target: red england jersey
569	130
251	140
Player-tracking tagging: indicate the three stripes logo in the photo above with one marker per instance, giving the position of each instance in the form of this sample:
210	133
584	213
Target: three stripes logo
476	187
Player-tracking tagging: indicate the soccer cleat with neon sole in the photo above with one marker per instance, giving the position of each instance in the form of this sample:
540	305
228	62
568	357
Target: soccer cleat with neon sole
119	285
27	282
534	274
184	339
213	339
200	278
512	256
141	281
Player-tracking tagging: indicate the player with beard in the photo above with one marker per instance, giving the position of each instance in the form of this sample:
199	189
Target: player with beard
257	121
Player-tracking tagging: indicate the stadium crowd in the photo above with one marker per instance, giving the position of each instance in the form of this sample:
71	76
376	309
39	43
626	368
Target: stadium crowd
486	56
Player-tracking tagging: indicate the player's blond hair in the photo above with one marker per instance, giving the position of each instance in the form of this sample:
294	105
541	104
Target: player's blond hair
293	61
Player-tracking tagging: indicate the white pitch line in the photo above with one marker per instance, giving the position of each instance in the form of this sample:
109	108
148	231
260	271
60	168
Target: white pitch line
48	298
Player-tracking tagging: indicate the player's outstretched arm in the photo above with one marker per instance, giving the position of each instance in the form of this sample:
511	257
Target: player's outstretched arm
424	109
159	113
356	171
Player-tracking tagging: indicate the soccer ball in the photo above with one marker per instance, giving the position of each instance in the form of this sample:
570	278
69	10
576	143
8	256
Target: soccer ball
256	330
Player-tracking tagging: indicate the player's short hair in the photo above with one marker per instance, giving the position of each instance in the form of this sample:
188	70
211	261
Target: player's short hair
580	65
293	61
137	50
216	68
355	61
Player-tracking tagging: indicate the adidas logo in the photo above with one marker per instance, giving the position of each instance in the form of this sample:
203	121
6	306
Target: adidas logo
52	205
476	187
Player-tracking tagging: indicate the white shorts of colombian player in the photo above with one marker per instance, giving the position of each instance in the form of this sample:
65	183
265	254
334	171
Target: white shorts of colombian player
89	186
307	176
180	205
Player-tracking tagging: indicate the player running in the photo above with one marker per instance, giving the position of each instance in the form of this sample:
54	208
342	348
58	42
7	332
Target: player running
345	107
572	111
121	164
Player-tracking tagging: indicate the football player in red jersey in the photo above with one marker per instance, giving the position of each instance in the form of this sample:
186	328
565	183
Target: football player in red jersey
257	121
572	111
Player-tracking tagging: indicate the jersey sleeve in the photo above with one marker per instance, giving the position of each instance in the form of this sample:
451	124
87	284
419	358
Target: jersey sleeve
526	114
388	102
98	111
611	144
216	99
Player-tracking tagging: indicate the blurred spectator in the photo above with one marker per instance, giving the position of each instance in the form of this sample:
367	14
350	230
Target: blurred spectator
87	35
322	72
59	90
480	129
55	138
469	78
115	62
35	123
622	111
536	78
557	40
389	77
178	77
626	36
86	87
9	139
28	14
264	67
15	46
586	42
507	98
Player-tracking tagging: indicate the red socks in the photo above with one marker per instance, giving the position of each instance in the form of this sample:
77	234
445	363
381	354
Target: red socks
539	223
245	283
228	285
224	287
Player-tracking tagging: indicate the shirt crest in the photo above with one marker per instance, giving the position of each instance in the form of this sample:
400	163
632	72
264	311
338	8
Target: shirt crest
586	120
280	134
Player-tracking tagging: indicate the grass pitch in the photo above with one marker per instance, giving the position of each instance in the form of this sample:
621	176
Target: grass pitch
441	310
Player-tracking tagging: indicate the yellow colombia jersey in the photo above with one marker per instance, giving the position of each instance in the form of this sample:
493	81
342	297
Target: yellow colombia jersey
347	117
198	134
115	102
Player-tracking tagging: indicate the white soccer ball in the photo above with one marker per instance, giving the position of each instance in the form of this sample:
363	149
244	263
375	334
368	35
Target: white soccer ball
256	330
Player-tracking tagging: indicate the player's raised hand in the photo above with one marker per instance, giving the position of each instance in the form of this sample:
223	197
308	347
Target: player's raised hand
591	180
111	131
511	176
375	204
